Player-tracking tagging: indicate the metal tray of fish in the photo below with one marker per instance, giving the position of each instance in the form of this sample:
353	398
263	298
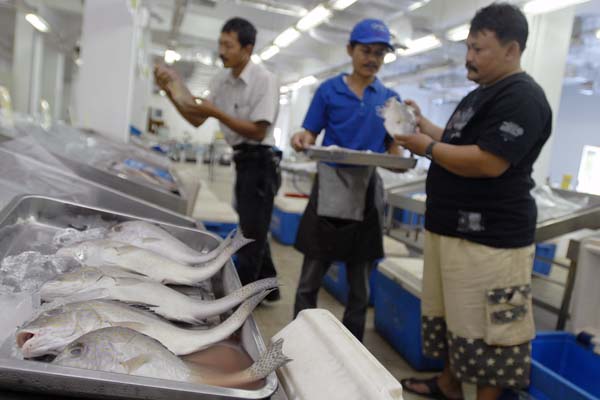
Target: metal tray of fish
30	223
346	156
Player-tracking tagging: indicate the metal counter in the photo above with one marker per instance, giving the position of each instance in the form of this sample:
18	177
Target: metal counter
44	216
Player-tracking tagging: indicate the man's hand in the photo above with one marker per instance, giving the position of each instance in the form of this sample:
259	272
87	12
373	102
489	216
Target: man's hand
416	142
168	80
303	140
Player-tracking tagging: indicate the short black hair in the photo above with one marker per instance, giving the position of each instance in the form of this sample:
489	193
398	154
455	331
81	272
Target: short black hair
506	20
246	32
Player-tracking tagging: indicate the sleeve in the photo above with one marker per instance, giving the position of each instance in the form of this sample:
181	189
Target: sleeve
266	105
513	126
316	116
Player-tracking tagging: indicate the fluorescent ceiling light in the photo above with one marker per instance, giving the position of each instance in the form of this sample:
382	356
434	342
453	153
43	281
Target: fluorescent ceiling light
38	22
459	33
171	56
286	37
284	89
342	4
256	59
587	92
306	81
269	52
544	6
314	17
420	45
389	57
417	4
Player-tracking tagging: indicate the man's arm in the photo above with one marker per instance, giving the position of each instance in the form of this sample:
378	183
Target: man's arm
466	161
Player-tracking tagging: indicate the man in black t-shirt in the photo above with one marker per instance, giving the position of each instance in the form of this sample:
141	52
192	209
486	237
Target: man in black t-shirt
480	219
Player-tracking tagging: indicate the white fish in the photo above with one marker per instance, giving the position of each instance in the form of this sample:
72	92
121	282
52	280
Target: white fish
126	351
114	283
98	253
54	329
148	236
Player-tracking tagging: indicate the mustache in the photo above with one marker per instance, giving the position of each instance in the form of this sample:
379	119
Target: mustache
470	67
223	58
371	65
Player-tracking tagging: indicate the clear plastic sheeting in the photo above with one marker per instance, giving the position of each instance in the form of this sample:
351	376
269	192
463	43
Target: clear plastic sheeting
551	205
21	176
393	179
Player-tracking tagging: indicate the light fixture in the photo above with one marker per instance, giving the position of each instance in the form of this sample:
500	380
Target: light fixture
587	92
316	16
459	33
598	34
306	81
389	57
171	56
420	45
284	89
256	59
543	6
286	37
417	4
269	52
342	4
38	22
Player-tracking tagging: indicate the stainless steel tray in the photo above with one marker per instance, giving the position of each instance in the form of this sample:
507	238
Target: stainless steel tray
346	156
97	194
46	216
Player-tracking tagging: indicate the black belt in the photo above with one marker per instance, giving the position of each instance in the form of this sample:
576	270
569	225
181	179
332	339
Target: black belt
246	151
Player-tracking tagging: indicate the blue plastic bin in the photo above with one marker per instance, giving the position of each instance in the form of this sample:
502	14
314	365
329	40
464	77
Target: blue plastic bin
398	320
219	228
284	226
546	250
563	369
336	283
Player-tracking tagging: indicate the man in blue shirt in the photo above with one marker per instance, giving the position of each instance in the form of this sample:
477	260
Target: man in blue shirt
343	219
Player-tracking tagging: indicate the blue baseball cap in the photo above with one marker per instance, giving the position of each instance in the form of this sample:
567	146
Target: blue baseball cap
370	31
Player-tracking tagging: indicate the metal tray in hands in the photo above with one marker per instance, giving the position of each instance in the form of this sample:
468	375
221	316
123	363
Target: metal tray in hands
45	216
341	155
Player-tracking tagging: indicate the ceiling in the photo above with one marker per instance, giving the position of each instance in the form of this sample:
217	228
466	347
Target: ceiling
320	51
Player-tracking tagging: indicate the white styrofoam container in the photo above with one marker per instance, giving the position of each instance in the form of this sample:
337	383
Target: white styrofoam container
330	363
291	205
393	247
406	271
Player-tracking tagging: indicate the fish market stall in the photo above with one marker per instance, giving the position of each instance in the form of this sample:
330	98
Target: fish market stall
33	231
124	167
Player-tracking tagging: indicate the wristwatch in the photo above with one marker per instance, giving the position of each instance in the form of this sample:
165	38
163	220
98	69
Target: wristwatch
429	150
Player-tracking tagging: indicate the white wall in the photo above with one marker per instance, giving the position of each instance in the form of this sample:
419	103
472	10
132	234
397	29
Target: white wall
5	73
577	124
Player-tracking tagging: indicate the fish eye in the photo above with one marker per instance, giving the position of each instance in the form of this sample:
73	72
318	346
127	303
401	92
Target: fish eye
76	350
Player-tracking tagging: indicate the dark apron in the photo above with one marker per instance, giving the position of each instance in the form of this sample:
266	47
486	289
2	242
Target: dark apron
340	239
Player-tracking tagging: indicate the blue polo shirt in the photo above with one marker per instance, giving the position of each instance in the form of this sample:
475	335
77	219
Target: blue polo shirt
348	121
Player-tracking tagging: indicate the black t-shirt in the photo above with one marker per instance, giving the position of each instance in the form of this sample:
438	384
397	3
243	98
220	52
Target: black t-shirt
511	119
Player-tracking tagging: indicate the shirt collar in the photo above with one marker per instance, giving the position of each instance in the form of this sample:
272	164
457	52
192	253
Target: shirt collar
245	75
341	87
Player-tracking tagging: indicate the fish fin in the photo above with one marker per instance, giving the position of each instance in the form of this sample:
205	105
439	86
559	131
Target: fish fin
136	326
136	363
150	240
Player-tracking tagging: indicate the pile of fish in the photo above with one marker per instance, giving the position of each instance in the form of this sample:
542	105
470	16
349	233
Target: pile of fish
113	313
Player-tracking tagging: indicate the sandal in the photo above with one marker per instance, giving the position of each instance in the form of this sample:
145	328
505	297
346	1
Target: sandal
434	391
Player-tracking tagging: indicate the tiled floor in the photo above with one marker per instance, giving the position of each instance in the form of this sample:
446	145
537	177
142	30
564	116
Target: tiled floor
273	317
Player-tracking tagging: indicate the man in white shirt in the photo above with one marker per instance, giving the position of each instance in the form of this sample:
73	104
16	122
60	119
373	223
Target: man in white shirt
245	100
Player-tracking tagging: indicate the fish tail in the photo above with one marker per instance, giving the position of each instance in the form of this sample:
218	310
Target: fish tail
268	362
239	240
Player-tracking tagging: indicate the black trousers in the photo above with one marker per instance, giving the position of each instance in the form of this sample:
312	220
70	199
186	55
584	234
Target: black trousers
257	180
311	277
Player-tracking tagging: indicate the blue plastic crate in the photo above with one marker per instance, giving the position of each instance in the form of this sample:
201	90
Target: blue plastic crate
546	250
219	228
562	368
398	320
336	283
284	226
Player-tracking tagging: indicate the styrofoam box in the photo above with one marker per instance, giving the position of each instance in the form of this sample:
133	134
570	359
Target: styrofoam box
407	271
330	363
